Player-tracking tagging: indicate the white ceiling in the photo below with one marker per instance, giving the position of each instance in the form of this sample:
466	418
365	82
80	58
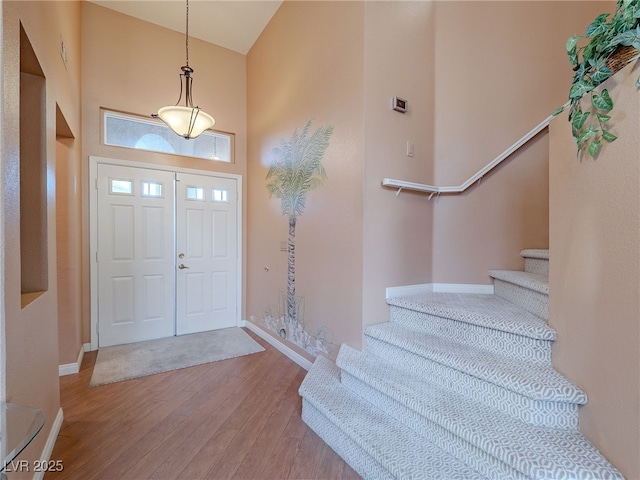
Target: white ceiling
233	24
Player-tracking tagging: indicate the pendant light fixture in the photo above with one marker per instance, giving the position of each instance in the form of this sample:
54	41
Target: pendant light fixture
187	121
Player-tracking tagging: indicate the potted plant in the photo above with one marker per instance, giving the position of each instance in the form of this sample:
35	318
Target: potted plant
610	42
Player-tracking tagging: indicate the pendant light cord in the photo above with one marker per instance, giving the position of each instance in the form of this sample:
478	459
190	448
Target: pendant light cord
187	34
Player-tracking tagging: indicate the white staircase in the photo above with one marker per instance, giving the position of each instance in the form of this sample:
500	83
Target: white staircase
456	386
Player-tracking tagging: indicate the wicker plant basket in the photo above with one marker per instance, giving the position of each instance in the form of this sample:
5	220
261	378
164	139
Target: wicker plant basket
620	57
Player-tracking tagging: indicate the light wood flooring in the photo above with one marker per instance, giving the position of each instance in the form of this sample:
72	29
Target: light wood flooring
232	419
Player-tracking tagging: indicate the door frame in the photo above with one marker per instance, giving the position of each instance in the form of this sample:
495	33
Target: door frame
94	161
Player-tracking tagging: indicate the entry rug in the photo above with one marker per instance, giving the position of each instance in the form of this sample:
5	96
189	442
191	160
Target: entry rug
123	362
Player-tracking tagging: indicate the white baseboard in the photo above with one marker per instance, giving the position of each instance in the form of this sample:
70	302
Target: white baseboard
406	290
71	368
281	347
51	441
391	292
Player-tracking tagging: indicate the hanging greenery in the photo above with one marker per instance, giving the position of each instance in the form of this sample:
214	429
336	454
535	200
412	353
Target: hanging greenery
612	41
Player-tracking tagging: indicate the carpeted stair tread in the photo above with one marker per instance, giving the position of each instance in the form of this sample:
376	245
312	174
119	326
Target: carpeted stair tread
536	381
395	447
342	444
537	452
455	379
542	254
532	281
536	261
488	311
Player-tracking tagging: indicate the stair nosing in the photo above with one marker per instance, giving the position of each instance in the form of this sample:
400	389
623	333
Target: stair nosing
440	350
410	444
538	253
533	281
527	325
424	387
363	463
520	437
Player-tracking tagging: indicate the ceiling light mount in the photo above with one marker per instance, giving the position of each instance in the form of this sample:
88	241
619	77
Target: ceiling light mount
187	121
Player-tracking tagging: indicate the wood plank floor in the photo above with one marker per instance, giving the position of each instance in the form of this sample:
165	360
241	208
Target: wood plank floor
232	419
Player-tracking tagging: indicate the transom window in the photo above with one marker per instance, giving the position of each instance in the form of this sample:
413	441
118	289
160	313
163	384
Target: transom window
131	131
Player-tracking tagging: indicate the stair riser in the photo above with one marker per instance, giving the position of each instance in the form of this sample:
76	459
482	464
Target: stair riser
362	431
536	265
503	343
534	302
396	450
356	457
473	456
540	382
552	414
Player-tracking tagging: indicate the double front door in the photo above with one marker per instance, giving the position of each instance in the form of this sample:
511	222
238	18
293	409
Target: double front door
166	253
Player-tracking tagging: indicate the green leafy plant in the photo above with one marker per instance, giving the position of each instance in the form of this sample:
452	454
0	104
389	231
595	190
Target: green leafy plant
606	38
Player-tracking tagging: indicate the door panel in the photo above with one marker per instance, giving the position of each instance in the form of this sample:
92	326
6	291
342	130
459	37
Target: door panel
136	276
146	218
206	232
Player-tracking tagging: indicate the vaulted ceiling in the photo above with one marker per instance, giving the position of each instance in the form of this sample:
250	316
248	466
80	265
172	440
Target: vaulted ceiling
235	25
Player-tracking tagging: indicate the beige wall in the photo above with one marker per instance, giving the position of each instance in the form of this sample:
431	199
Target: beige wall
595	274
340	63
465	108
399	57
32	332
133	66
308	63
500	69
69	246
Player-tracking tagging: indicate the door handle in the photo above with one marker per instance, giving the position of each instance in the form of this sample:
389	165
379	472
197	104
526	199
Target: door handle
182	266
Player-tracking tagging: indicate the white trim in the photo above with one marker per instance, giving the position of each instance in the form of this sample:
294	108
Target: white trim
51	441
281	347
71	368
406	290
93	228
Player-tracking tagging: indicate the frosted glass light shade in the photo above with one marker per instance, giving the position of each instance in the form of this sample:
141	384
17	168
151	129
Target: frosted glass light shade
188	122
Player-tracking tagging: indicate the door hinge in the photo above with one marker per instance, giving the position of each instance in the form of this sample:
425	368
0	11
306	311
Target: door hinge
96	183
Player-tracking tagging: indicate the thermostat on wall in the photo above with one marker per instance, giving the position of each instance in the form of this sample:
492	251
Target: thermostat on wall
399	105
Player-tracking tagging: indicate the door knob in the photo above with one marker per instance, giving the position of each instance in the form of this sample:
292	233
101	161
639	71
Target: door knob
182	266
181	255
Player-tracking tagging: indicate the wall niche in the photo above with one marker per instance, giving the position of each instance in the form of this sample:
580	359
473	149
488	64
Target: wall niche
34	274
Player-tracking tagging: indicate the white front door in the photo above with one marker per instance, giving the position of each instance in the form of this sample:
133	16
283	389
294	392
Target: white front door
206	233
167	253
136	272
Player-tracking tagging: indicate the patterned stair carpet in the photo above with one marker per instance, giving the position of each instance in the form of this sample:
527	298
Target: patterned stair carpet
457	386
